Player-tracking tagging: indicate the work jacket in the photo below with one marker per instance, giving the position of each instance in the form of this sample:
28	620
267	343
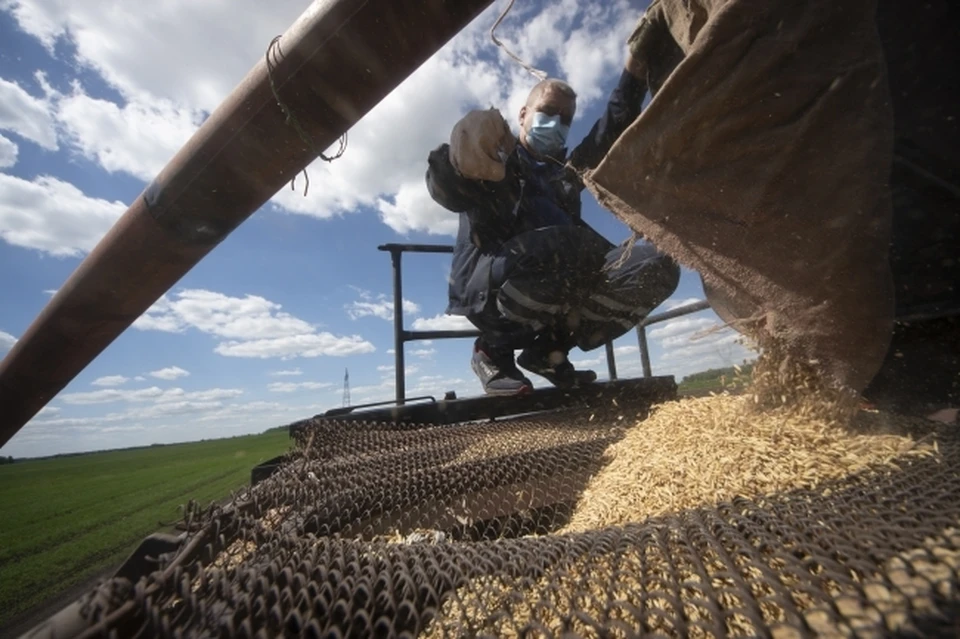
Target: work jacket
532	195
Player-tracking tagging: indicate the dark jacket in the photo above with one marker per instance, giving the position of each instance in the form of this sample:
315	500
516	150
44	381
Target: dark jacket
533	194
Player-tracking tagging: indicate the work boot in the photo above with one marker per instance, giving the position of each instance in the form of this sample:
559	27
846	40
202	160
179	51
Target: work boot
498	371
554	366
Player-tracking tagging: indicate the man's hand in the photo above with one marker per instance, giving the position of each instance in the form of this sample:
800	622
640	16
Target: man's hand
477	142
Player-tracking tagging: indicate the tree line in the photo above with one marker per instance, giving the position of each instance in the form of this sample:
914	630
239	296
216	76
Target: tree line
714	374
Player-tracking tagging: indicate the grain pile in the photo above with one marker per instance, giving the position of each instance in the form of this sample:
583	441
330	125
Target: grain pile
701	451
364	536
510	441
240	549
789	430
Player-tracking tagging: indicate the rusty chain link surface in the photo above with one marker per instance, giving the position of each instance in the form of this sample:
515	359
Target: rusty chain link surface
378	530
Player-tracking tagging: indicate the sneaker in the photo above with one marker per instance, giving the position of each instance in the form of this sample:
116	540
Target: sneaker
499	373
555	368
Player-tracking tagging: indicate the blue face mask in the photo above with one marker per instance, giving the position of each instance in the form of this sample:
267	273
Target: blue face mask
546	135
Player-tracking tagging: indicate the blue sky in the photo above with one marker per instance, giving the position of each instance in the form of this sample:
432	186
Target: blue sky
95	98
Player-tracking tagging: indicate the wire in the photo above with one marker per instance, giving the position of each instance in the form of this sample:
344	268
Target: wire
292	120
542	75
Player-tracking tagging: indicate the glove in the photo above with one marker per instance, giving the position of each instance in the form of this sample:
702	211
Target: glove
479	145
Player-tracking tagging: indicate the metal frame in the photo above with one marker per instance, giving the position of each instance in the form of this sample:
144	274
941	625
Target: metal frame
696	307
401	335
626	394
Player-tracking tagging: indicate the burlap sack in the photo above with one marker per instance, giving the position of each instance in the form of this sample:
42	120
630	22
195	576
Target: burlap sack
476	142
762	163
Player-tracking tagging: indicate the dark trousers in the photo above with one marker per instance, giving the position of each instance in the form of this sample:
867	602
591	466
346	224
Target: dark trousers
563	286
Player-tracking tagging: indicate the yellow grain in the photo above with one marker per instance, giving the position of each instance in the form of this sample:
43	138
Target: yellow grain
701	451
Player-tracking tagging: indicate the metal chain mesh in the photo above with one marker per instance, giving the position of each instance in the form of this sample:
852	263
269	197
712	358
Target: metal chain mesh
379	530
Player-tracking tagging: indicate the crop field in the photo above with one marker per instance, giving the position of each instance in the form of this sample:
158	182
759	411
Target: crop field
66	520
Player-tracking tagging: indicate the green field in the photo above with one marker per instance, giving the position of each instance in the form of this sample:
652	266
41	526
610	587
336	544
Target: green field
68	519
715	380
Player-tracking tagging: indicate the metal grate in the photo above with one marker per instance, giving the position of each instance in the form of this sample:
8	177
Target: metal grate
390	530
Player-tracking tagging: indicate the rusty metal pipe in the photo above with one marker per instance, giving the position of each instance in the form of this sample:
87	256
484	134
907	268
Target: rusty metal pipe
334	64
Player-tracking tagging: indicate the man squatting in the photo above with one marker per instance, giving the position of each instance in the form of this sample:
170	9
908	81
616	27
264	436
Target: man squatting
527	271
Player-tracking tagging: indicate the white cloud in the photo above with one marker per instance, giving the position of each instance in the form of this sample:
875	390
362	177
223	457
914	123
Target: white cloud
682	326
249	326
370	305
53	216
414	118
122	429
388	370
243	318
151	394
309	345
137	138
289	387
373	392
176	418
199	411
159	62
71	422
597	48
247	409
434	385
161	317
627	349
286	373
443	323
139	378
200	406
424	385
423	353
8	153
412	209
6	341
27	116
164	53
589	362
110	380
168	408
169	373
693	344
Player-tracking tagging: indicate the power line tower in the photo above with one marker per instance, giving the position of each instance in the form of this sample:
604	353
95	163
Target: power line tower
346	387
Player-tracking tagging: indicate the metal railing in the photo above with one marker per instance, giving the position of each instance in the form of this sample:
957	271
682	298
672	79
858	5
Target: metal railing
401	335
655	319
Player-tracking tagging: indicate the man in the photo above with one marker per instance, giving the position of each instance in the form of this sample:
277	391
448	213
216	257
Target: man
527	270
